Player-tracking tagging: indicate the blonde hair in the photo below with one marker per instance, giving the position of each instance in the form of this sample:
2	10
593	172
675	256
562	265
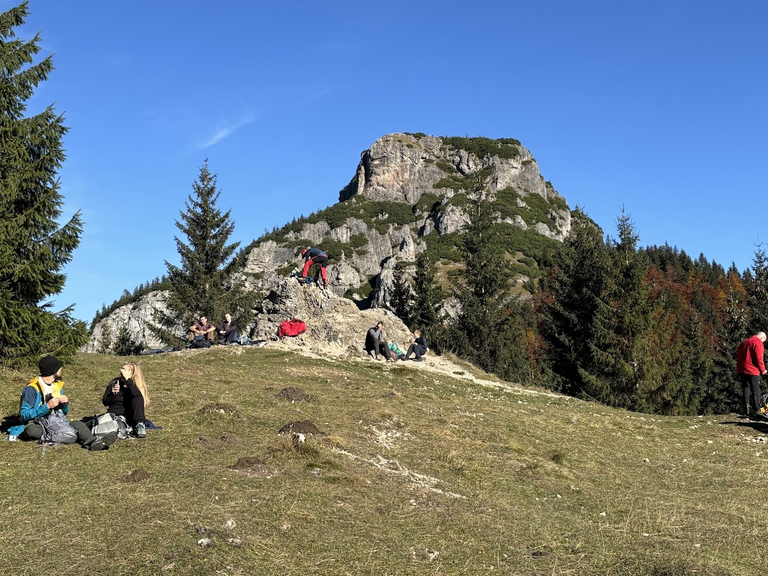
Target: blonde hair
138	379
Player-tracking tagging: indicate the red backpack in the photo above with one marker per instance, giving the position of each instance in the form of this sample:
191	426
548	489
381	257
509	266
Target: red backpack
291	328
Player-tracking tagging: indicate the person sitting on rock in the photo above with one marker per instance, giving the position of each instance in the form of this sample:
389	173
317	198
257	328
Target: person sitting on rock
418	348
202	333
315	256
127	396
228	331
375	343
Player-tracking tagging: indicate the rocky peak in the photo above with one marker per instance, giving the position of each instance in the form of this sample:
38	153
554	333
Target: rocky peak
409	194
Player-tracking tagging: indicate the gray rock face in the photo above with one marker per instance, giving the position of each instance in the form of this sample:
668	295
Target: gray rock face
398	168
136	318
329	318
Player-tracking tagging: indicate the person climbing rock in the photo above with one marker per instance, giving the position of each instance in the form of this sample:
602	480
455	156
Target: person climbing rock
315	256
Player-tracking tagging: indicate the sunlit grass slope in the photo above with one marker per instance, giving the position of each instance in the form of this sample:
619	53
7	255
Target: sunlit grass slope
415	473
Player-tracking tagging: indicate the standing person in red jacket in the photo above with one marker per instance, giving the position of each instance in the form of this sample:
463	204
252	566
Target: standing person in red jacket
750	366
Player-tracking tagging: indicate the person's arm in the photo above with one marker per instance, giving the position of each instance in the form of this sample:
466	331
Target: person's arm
108	396
29	408
132	389
760	355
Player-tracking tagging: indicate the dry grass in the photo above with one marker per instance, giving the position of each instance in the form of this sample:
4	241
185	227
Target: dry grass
416	473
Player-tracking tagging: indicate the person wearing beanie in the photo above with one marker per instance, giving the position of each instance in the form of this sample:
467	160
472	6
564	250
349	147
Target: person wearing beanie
42	398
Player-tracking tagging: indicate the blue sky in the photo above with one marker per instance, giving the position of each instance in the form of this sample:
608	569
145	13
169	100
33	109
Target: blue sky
656	106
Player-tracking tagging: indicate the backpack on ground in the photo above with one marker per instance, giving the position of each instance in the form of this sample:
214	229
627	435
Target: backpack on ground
103	424
56	429
292	327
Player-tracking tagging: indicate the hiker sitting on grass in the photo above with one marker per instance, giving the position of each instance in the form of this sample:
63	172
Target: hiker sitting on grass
375	343
127	396
228	331
43	408
201	334
419	346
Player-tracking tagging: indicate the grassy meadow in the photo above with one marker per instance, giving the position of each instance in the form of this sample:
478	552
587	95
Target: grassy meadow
415	472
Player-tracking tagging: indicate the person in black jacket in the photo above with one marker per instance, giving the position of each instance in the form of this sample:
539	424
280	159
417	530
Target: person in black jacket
228	331
419	346
375	343
127	396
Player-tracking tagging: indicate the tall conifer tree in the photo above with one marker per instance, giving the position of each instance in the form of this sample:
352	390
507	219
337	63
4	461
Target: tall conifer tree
489	332
203	285
34	248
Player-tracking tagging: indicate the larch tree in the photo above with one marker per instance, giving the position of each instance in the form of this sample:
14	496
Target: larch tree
34	247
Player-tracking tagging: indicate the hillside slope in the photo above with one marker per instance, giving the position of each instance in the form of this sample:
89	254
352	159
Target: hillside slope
420	469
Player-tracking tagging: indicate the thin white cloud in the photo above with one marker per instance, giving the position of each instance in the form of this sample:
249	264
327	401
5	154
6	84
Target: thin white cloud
222	131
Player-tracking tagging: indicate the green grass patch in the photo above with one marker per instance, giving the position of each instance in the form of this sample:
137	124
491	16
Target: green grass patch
415	472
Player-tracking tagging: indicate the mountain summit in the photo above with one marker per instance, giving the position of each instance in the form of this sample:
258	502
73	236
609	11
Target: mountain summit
410	194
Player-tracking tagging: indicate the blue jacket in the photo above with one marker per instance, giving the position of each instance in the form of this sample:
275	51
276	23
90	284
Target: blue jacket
32	404
312	252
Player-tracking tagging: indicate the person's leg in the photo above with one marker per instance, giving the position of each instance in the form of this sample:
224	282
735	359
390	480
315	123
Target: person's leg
410	351
32	431
88	440
84	434
418	351
755	386
305	270
233	337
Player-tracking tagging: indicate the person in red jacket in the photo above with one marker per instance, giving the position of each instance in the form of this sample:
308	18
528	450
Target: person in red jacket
750	366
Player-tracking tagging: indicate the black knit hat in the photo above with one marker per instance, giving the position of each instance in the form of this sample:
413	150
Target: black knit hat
49	366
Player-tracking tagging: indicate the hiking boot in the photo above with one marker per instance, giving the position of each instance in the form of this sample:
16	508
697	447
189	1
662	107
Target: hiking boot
418	359
104	442
141	430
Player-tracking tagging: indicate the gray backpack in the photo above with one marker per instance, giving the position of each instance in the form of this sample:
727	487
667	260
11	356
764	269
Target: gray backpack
106	423
56	429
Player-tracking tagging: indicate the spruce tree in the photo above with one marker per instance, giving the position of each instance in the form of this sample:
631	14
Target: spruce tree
427	297
400	301
757	289
576	289
34	248
203	285
486	331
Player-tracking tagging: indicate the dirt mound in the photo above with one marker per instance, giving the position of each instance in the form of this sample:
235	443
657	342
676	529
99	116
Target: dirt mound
227	439
253	467
220	408
137	475
300	427
292	393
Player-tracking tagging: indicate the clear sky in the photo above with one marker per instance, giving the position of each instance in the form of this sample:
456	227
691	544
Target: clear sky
657	106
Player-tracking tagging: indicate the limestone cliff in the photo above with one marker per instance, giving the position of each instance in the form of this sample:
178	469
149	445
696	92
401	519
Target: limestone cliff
410	193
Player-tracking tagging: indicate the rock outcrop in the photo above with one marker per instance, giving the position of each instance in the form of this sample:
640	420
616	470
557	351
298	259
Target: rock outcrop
330	319
410	193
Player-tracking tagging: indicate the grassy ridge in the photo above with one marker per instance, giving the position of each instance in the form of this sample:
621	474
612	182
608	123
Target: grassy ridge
417	473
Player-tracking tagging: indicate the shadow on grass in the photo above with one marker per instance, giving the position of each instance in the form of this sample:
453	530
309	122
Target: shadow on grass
756	425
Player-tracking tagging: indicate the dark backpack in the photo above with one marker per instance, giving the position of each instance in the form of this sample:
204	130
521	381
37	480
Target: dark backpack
291	328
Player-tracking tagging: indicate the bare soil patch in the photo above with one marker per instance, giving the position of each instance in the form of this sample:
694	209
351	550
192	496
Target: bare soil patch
253	467
292	393
300	427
